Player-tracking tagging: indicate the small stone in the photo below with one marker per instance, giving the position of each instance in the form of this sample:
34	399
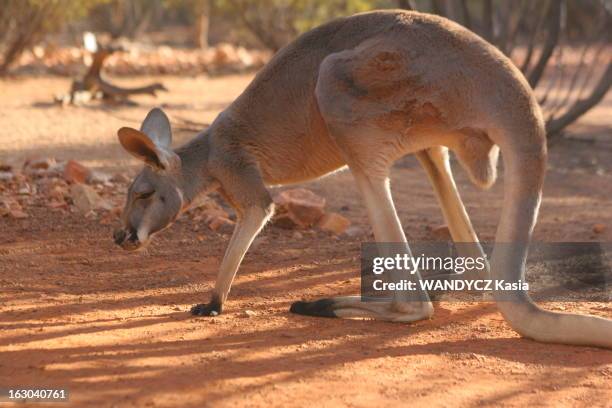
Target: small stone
81	97
354	231
284	220
223	54
221	224
120	178
297	235
441	233
248	313
75	172
6	176
57	193
57	204
39	163
334	223
18	214
599	228
299	208
212	210
98	177
87	199
26	190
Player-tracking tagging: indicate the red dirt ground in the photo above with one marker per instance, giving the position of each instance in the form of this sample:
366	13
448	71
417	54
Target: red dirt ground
113	328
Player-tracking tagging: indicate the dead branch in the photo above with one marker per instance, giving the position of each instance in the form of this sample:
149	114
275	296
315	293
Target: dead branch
554	83
580	107
554	28
514	27
406	4
26	31
532	42
563	102
94	86
467	18
487	20
256	26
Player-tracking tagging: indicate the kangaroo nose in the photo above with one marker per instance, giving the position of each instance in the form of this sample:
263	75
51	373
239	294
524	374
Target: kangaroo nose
119	236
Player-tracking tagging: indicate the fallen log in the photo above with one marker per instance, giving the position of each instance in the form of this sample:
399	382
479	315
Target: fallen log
94	86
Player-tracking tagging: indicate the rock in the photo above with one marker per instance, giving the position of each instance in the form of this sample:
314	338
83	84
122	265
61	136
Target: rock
284	220
57	193
599	228
224	53
80	97
42	167
245	57
120	178
57	204
98	177
334	223
220	224
18	214
75	172
86	199
206	208
27	189
10	206
297	235
354	232
248	313
39	163
6	176
441	233
4	208
212	210
299	208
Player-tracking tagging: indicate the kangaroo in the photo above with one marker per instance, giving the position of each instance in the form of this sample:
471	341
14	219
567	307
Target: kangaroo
361	92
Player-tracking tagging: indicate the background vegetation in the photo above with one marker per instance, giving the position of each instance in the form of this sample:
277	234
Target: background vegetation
562	46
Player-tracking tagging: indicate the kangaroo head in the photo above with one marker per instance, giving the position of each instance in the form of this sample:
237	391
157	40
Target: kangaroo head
154	198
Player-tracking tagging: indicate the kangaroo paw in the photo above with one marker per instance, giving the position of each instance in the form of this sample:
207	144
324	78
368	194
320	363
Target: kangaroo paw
320	308
207	309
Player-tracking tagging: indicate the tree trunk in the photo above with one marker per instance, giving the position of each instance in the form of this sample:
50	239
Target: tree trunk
202	24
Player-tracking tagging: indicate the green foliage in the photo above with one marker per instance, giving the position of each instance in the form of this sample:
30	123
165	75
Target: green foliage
23	22
276	22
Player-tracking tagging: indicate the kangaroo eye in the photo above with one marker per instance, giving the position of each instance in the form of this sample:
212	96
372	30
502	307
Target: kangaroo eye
144	195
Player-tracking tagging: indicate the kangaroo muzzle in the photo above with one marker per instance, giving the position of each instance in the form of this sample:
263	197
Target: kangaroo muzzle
126	239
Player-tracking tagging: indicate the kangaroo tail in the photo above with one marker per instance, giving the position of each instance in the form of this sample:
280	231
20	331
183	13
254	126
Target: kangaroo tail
524	162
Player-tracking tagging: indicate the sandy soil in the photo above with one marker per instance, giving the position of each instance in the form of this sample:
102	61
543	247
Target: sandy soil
113	327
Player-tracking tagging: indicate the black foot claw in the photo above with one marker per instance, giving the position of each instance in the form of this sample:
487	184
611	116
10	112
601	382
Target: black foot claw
319	308
206	309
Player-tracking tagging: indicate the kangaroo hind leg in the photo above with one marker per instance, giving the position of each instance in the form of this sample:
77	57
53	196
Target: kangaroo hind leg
435	161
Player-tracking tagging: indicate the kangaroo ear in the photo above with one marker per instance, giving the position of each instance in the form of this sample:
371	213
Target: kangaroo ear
157	126
141	146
